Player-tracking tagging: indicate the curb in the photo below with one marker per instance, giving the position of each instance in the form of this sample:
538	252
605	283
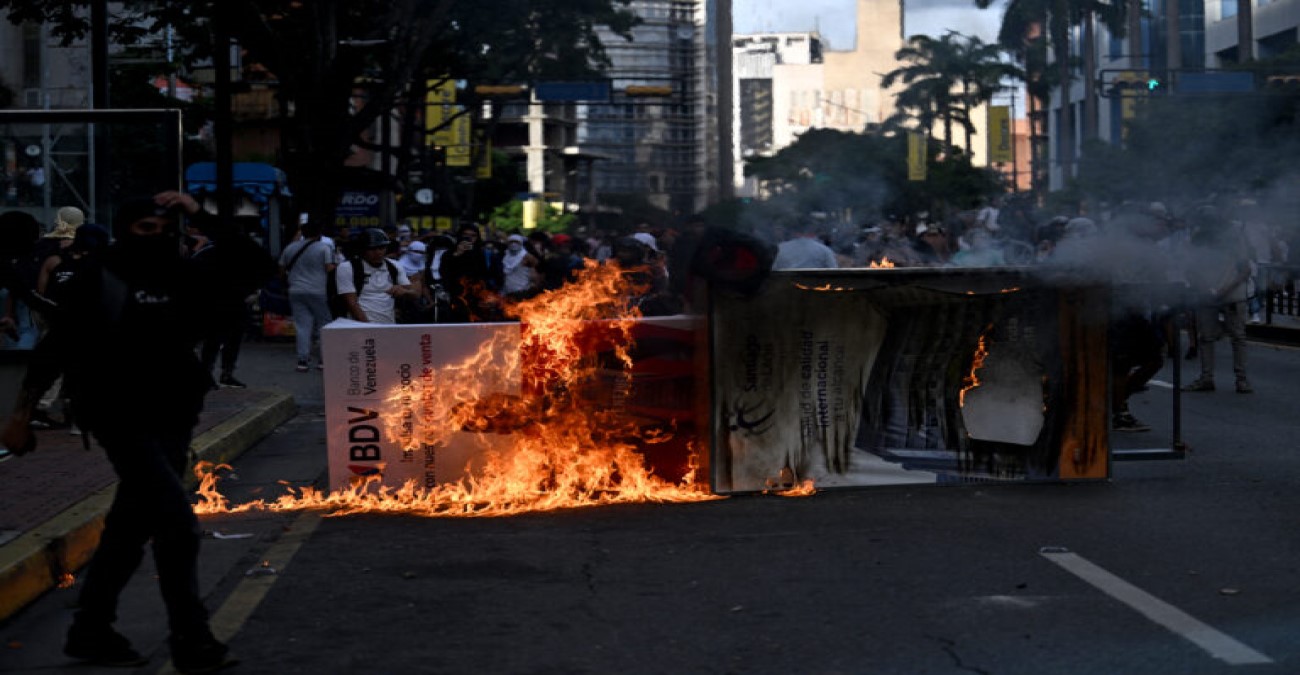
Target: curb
38	560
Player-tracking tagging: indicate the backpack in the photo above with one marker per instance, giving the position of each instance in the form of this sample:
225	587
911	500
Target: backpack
339	307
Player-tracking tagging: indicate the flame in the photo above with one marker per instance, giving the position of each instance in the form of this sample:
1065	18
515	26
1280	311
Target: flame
66	580
566	446
977	361
885	263
804	489
824	288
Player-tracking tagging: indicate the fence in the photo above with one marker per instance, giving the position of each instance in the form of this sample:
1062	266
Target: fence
1278	284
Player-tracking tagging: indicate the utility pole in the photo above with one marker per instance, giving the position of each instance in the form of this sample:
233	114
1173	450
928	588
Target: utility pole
99	168
221	121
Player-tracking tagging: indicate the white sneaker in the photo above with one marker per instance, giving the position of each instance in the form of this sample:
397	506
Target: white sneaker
1255	320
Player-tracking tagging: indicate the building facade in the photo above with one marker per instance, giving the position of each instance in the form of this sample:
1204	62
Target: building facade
788	83
1208	41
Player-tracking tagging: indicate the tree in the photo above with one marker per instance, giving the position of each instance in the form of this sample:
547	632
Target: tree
323	54
1025	23
933	72
854	177
946	79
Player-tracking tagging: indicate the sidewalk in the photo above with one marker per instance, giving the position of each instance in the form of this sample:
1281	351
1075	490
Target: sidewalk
53	501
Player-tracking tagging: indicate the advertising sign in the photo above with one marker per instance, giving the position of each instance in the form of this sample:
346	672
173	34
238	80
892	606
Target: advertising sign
358	208
386	386
907	376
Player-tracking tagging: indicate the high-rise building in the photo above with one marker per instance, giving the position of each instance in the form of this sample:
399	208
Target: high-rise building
788	83
659	139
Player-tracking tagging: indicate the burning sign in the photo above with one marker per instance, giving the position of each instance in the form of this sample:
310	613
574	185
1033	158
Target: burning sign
580	403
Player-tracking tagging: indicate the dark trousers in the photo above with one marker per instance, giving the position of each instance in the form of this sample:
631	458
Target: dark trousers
151	503
225	335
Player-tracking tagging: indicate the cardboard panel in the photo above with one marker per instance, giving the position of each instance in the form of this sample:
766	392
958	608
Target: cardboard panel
883	377
387	389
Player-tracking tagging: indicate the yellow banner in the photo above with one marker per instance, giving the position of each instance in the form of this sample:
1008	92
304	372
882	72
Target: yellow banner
916	156
458	142
439	106
1000	136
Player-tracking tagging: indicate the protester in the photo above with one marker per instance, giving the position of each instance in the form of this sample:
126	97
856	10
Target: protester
519	269
561	263
239	267
370	284
1219	268
804	251
306	264
983	251
134	331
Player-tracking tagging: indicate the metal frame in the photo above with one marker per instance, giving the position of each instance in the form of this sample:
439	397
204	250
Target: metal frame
166	117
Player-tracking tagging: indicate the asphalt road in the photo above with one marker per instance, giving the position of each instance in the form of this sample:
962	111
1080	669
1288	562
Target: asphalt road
1188	566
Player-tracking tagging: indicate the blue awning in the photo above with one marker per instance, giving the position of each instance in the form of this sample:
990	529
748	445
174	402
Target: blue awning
259	181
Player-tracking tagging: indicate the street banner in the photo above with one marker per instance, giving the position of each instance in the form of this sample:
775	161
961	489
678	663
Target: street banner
385	389
1000	136
916	156
900	376
459	151
439	106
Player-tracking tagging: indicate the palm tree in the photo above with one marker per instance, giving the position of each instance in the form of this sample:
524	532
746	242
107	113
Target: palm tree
947	77
985	71
932	73
1022	29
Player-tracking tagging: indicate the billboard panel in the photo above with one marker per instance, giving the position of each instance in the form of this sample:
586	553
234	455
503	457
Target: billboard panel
907	376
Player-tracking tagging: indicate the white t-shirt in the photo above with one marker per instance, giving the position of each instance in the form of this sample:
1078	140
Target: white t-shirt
309	272
373	297
804	253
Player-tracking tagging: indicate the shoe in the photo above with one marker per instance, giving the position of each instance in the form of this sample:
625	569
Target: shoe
1255	320
102	646
1200	384
320	364
302	366
1190	354
230	382
1243	386
197	654
1125	421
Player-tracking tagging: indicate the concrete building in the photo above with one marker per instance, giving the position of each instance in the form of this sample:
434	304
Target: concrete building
788	83
660	138
1208	40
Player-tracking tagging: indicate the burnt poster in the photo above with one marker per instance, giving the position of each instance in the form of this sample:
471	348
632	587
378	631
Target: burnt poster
861	378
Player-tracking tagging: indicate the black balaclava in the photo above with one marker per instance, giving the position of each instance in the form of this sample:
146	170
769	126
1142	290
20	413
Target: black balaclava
135	250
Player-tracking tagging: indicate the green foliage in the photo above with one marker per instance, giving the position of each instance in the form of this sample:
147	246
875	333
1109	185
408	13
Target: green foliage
856	177
509	217
317	52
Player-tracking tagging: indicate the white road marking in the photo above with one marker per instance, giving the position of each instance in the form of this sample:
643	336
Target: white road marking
1219	645
1160	383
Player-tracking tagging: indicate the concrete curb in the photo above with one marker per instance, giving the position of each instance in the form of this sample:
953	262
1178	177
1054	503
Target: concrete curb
38	560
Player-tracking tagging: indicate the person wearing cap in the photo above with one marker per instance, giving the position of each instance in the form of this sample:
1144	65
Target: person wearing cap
61	278
370	284
306	264
138	387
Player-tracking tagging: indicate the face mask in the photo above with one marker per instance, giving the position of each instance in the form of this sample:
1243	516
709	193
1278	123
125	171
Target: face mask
515	247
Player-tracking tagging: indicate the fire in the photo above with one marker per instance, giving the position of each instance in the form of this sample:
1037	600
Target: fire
977	361
66	580
885	263
538	409
804	489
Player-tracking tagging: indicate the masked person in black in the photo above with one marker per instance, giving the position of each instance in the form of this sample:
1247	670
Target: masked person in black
138	388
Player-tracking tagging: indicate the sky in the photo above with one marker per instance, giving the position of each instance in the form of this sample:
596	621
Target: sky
834	19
